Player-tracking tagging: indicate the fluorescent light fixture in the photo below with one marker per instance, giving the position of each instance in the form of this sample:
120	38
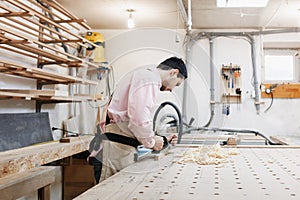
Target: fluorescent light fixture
241	3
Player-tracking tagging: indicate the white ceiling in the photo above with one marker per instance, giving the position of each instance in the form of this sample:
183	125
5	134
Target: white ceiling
111	14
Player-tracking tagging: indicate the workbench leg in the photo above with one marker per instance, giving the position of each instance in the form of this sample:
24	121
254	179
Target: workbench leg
44	193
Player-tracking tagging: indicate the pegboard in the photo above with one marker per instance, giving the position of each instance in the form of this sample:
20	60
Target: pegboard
231	79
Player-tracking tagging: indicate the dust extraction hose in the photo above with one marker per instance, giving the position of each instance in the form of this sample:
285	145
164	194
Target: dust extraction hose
162	105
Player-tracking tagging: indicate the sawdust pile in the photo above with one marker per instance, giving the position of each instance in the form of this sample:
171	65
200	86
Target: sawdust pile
207	155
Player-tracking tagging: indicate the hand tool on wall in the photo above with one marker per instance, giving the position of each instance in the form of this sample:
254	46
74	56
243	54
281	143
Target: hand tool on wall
226	109
231	77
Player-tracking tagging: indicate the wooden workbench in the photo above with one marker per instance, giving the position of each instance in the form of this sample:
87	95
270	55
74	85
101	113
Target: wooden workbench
255	173
23	159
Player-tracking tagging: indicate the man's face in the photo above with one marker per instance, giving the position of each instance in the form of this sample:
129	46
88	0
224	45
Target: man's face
173	80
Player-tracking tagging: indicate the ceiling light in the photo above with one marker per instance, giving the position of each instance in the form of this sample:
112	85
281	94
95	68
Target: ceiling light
130	21
241	3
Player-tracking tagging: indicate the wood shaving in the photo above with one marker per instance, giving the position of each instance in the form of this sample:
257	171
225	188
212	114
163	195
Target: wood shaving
207	155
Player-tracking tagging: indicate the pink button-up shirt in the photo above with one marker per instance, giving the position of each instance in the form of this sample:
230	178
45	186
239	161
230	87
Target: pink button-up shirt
133	101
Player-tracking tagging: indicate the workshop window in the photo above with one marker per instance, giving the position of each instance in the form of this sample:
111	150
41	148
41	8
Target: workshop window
280	66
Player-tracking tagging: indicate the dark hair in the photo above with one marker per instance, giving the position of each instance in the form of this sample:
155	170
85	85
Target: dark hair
174	63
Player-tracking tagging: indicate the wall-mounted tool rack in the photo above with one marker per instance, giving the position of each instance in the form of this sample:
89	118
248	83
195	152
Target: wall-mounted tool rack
231	79
43	35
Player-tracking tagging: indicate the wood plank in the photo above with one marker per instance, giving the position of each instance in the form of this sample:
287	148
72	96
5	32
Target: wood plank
70	21
23	159
30	27
286	140
40	52
48	54
37	50
59	41
285	90
15	50
50	12
7	95
36	73
54	4
39	31
47	98
44	18
23	6
17	185
53	49
38	92
66	99
15	14
220	137
280	140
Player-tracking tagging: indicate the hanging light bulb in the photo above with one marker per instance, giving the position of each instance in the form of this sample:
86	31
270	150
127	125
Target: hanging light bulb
130	22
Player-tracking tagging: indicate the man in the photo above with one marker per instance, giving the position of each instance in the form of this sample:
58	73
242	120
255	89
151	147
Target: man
130	112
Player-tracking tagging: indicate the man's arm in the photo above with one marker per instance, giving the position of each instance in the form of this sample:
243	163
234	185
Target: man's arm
141	102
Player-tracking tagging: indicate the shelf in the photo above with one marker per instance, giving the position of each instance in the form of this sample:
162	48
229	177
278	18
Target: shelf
40	40
52	55
39	74
40	95
70	18
30	29
59	93
43	33
58	16
231	98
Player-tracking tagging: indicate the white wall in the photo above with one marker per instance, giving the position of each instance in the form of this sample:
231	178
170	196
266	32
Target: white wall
281	119
127	49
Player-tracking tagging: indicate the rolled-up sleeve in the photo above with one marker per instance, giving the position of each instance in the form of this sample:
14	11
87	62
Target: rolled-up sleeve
140	104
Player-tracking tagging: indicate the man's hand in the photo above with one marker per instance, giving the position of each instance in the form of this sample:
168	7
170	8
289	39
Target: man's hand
159	143
172	138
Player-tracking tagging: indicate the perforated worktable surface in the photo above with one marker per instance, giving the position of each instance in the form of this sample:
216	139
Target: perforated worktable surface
255	173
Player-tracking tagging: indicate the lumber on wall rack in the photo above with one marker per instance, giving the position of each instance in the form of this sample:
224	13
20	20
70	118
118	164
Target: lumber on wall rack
43	18
32	46
38	34
33	30
46	99
39	74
